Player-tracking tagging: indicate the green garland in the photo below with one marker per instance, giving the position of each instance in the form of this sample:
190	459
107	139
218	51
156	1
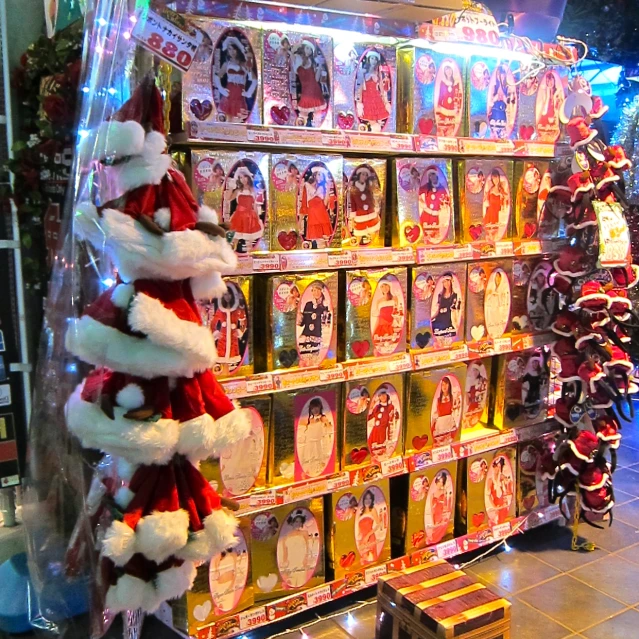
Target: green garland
46	85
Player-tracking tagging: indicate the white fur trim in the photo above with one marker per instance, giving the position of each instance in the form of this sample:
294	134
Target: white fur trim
581	189
622	164
572	378
585	338
564	423
618	299
590	138
221	527
559	187
161	534
86	224
569	468
129	593
605	509
142	442
174	582
576	453
567	273
100	345
123	496
113	140
555	330
615	437
130	397
204	437
607	180
139	171
122	295
195	342
198	548
126	469
207	214
162	218
207	287
119	543
618	362
597	486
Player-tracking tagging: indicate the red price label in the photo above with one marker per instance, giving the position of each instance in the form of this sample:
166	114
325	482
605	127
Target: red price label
480	35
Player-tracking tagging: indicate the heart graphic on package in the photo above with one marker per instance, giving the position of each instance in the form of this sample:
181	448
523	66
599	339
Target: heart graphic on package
412	232
288	357
280	114
530	229
287	469
287	240
475	231
529	502
478	519
201	110
419	441
512	412
425	125
202	611
347	560
477	332
345	120
266	584
358	455
526	132
360	348
422	339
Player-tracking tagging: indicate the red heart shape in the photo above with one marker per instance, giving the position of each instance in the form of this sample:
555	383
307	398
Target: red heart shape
361	348
419	441
478	519
288	241
358	455
345	561
475	231
425	125
280	114
201	110
345	120
526	132
530	229
412	233
529	502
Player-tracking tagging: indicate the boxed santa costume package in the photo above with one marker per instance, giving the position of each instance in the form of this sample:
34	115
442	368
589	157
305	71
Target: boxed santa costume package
477	393
287	549
305	434
230	319
241	467
532	183
485	199
306	201
437	306
364	84
297	79
488	303
300	330
364	207
236	185
486	490
358	530
435	407
222	587
536	466
373	421
376	312
425	202
534	301
224	83
522	386
431	92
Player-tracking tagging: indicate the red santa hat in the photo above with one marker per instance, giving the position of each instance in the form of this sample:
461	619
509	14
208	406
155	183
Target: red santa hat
598	109
625	276
572	262
591	296
579	132
616	157
580	183
564	323
579	453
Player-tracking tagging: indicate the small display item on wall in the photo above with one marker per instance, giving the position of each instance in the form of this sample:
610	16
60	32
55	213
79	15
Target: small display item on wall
477	394
534	301
532	183
534	469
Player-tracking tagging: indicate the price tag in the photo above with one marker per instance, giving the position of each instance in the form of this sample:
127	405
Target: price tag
465	252
502	345
259	500
459	354
252	618
393	466
403	256
432	255
169	36
529	247
338	139
428	360
538	149
507	438
447	549
401	364
404	143
343	259
266	263
371	575
259	384
318	596
336	374
261	135
337	483
447	145
504	249
442	454
500	531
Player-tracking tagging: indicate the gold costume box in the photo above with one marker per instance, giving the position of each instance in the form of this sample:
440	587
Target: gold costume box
477	393
535	461
531	181
535	303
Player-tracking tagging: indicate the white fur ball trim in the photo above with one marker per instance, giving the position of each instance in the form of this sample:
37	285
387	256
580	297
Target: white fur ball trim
126	469
130	397
122	295
207	214
221	527
127	594
162	218
123	496
119	543
161	534
174	582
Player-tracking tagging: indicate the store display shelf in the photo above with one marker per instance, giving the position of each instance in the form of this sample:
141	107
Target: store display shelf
287	380
285	607
290	139
330	259
472	443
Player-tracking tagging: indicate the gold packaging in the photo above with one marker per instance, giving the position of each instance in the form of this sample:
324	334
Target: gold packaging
431	92
522	387
235	184
306	201
477	394
486	490
373	419
364	205
305	433
431	506
435	407
532	476
534	303
287	549
488	303
301	330
425	202
241	467
358	528
222	587
376	312
224	82
531	181
486	200
230	318
437	306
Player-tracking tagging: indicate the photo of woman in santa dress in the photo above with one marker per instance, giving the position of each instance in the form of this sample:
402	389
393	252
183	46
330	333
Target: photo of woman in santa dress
387	316
364	204
234	77
449	98
317	206
228	572
446	307
498	493
244	205
298	548
371	525
373	91
497	303
550	99
314	324
476	393
438	508
229	323
496	205
383	422
434	205
315	437
502	102
446	409
310	84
